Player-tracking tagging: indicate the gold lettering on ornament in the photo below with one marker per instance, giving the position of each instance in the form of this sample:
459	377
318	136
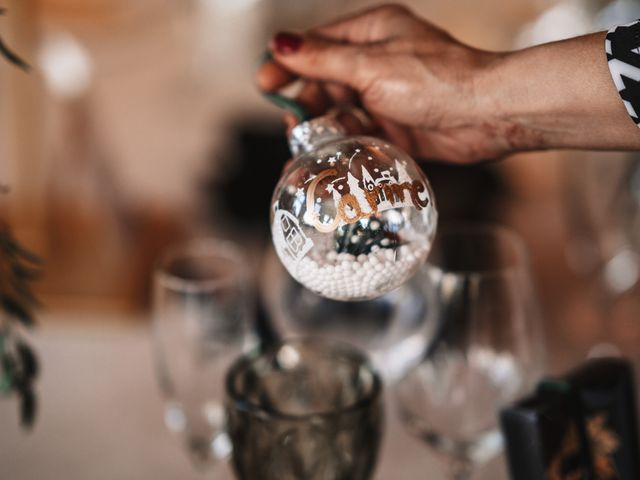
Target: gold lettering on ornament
349	210
311	200
350	201
416	188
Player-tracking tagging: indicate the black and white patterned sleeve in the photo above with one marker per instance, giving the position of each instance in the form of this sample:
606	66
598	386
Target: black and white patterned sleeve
623	56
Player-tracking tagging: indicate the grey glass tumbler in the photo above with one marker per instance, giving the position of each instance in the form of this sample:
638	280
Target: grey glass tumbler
308	409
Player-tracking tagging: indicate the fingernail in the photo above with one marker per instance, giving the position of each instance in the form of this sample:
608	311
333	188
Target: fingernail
286	43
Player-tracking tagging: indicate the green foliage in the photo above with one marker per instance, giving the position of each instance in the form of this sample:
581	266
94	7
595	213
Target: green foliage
18	364
9	55
18	268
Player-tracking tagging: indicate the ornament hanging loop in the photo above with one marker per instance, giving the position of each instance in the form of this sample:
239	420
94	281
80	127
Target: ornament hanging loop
282	101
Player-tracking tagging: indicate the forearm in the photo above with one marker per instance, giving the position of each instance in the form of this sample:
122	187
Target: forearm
560	95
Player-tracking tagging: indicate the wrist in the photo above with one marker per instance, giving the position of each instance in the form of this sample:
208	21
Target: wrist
509	104
558	95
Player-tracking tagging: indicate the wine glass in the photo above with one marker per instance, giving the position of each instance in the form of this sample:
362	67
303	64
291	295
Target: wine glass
602	209
602	206
201	323
394	329
488	350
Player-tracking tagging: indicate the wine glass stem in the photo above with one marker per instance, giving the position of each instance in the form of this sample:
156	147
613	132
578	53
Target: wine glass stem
460	469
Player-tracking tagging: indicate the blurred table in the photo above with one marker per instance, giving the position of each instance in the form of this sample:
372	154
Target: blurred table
101	416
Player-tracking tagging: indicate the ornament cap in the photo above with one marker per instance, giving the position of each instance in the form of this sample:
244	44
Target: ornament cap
307	136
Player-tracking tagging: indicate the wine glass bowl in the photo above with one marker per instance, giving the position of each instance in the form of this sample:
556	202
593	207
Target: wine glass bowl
201	322
488	350
394	329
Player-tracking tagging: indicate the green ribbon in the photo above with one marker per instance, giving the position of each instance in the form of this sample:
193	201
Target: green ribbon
288	104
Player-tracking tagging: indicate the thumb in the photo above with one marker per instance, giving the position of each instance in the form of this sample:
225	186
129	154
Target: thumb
319	58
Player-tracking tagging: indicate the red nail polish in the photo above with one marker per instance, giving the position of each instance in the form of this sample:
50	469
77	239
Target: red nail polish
286	43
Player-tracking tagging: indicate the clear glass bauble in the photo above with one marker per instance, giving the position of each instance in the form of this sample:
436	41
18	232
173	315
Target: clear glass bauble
352	217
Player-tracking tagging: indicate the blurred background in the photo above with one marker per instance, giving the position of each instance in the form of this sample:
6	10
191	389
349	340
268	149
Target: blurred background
140	126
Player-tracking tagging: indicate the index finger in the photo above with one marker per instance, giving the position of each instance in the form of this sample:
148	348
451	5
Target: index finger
370	25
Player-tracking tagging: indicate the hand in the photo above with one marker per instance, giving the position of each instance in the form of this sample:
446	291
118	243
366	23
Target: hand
416	81
438	98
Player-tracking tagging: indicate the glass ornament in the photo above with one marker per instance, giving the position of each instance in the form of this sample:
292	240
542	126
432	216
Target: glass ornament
352	217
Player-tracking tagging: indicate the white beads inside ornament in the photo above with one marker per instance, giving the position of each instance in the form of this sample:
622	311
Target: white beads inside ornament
346	277
352	217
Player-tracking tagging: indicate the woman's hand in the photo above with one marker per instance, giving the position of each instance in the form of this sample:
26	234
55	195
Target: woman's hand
418	83
438	98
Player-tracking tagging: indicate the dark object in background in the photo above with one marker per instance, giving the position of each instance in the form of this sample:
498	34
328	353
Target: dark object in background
606	392
467	192
256	152
583	426
541	434
535	430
